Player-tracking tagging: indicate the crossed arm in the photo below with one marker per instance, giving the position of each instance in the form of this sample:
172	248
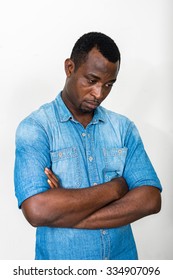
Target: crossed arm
103	206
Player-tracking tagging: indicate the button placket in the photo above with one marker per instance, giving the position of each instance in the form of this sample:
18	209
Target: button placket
90	156
105	243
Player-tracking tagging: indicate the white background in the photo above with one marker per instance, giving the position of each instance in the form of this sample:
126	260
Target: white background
36	36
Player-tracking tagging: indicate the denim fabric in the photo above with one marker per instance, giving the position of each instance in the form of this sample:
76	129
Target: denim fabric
108	147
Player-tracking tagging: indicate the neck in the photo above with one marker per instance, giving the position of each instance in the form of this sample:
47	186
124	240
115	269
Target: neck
82	117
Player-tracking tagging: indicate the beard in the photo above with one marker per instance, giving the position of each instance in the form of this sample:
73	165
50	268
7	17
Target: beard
88	106
84	110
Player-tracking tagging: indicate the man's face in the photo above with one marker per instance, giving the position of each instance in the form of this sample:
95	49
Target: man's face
90	84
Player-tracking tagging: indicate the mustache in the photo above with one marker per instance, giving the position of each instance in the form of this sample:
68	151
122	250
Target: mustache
94	101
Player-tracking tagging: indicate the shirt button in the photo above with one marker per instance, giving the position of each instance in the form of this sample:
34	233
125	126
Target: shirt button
103	232
83	134
60	154
90	158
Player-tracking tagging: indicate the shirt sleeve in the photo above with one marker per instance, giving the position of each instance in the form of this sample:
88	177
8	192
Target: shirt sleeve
138	170
32	156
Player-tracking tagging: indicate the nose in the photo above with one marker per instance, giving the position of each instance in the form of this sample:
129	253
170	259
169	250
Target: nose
97	91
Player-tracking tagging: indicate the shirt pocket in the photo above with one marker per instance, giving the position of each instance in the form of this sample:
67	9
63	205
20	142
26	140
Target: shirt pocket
114	160
66	166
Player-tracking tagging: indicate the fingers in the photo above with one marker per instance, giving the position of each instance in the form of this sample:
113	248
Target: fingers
51	175
51	184
52	179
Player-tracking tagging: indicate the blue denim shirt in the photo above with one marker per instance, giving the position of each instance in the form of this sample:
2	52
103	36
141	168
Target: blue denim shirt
110	146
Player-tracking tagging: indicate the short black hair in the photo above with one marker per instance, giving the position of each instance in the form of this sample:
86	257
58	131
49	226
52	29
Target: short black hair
88	41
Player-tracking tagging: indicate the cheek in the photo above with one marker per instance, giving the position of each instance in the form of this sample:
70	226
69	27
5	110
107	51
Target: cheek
104	93
83	90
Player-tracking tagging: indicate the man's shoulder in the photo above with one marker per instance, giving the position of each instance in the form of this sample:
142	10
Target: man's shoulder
37	123
41	115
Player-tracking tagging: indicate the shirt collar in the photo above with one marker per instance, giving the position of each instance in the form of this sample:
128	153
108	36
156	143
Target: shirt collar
65	115
98	116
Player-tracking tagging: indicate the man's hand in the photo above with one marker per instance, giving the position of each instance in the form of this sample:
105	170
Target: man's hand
52	179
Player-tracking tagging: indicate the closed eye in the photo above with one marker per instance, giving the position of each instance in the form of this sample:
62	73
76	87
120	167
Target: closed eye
109	85
92	81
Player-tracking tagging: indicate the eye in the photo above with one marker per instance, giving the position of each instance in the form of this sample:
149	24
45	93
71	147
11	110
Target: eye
109	85
91	81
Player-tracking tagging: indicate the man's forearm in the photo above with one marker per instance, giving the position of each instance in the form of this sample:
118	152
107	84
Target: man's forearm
134	205
67	207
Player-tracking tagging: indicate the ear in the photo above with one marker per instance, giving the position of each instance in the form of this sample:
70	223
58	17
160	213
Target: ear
69	67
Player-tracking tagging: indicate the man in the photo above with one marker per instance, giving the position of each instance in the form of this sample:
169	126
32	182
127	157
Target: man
81	172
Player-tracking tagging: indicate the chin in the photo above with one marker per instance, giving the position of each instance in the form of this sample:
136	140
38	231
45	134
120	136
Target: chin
86	110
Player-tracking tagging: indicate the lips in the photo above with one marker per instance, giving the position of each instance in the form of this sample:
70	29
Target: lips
92	104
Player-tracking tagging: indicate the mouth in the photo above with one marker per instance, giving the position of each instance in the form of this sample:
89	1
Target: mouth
92	104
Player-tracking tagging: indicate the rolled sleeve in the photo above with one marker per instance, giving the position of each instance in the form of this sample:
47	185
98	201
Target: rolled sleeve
32	156
138	169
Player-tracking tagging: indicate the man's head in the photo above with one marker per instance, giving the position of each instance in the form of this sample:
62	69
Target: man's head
91	71
104	44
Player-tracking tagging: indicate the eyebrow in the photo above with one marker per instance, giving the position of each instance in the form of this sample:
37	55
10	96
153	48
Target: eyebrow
98	78
93	76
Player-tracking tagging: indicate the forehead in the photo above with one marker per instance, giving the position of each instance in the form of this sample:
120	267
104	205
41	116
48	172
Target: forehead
97	63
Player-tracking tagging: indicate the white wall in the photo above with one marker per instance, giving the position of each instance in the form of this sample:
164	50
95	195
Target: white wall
35	38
